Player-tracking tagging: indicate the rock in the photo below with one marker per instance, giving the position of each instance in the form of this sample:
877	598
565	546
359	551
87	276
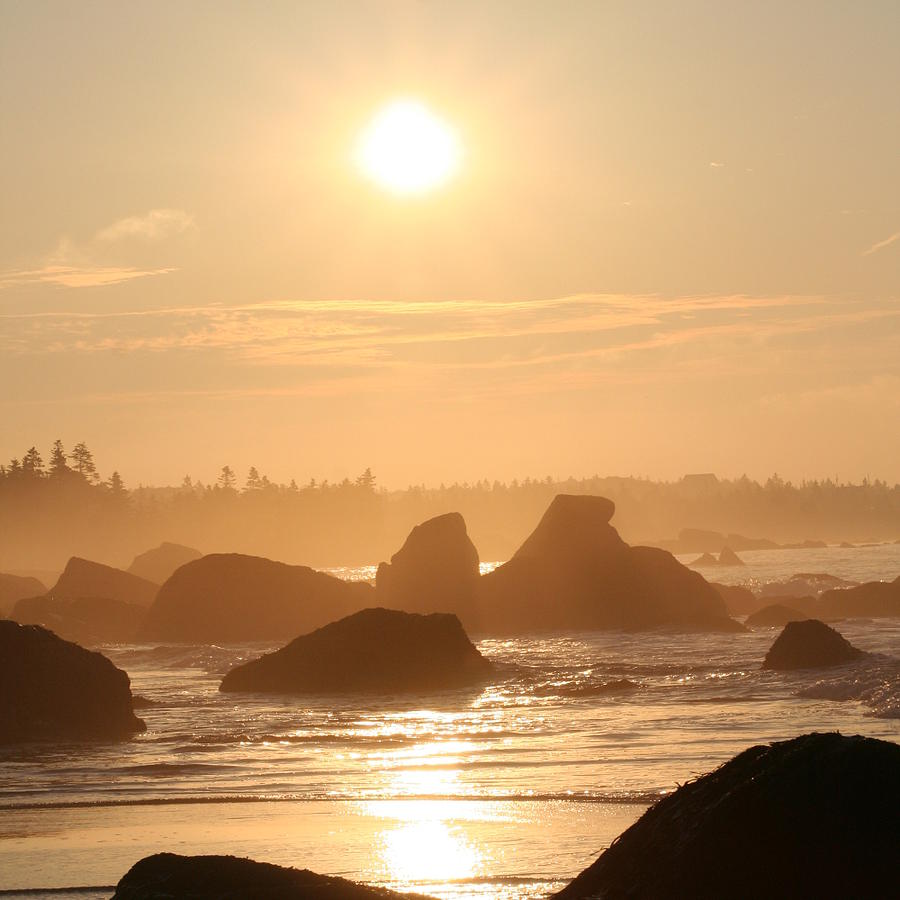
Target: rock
739	601
810	644
165	876
806	545
436	570
876	599
815	816
51	689
704	561
229	597
84	620
775	616
158	564
372	651
729	558
84	578
17	587
575	572
804	584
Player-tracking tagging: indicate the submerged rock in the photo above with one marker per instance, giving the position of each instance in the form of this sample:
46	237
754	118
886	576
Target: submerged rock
575	572
229	597
85	620
373	651
810	644
85	578
816	816
775	615
804	584
51	689
165	876
875	599
158	564
435	570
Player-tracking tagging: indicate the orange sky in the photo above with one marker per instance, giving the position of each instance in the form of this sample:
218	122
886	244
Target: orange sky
673	243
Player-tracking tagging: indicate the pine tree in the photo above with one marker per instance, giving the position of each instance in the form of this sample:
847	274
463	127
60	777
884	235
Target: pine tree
227	478
366	480
58	465
32	464
116	485
83	463
254	482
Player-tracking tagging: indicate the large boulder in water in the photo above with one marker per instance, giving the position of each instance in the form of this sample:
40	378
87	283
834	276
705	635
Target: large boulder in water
165	876
436	570
84	620
874	599
229	597
816	816
575	572
51	689
374	651
810	644
775	615
739	600
158	564
17	587
85	578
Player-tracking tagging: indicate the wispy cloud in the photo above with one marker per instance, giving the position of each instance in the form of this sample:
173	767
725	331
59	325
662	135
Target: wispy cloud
76	276
153	225
882	244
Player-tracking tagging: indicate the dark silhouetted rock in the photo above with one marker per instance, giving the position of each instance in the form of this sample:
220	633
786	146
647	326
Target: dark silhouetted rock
436	570
813	817
158	564
729	558
372	651
51	689
775	616
810	644
167	876
876	599
17	587
575	572
229	597
804	584
806	545
84	620
739	601
84	578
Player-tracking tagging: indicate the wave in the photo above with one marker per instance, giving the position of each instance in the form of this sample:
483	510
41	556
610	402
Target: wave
876	685
576	690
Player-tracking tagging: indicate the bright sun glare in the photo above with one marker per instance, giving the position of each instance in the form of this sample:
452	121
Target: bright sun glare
406	149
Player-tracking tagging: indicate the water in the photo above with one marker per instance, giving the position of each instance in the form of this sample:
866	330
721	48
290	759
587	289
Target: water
505	791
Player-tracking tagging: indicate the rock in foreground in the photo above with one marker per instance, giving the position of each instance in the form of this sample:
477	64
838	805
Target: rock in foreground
816	816
51	689
158	564
810	644
229	597
165	876
373	651
436	570
575	572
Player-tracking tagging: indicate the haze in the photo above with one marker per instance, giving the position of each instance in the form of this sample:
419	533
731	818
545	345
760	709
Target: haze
672	245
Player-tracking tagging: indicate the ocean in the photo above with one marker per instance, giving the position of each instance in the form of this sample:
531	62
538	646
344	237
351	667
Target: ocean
502	792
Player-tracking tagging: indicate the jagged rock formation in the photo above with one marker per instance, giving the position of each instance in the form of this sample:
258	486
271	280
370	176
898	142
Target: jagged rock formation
436	570
706	561
372	651
774	616
815	816
810	644
876	599
229	597
84	620
84	578
51	689
729	558
17	587
165	876
158	564
575	572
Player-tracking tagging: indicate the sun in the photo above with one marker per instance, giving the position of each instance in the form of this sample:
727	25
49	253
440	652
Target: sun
407	149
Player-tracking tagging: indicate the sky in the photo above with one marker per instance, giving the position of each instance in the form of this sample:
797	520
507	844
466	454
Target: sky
672	244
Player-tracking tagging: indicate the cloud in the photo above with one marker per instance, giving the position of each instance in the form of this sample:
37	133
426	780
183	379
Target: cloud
152	226
76	276
717	165
882	244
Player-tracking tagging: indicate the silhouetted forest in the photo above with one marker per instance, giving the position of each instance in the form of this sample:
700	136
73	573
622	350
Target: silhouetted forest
51	510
